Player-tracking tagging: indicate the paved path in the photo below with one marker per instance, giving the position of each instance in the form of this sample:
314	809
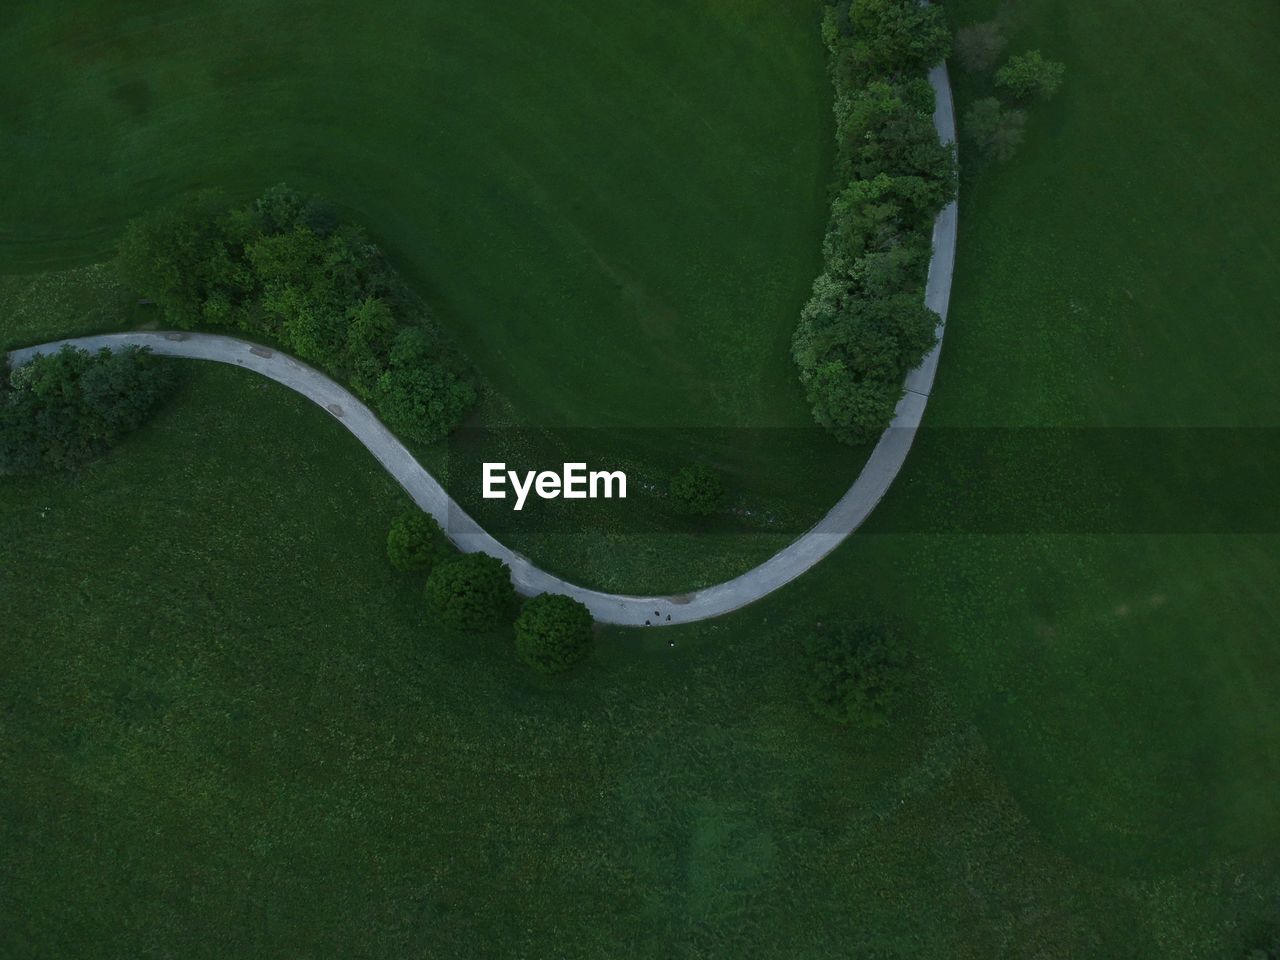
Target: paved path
783	567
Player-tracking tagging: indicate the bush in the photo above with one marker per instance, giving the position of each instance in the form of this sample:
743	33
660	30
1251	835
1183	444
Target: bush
416	543
285	270
697	490
553	632
996	131
854	672
61	410
1030	75
979	45
472	592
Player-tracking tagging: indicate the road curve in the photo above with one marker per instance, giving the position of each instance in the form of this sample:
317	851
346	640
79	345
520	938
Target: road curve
784	566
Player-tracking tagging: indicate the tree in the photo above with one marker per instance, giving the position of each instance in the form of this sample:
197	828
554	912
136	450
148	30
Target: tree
553	632
854	672
416	543
995	130
853	352
471	592
1029	74
979	45
697	489
189	259
418	395
891	37
61	410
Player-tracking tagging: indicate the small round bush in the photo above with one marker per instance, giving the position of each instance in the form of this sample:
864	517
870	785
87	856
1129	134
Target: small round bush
416	543
472	592
697	490
553	632
854	672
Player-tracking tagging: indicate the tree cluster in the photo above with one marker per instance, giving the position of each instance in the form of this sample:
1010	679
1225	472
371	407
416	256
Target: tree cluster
473	592
993	126
284	269
61	410
865	325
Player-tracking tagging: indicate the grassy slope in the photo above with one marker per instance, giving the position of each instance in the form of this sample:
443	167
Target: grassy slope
228	730
1120	272
616	208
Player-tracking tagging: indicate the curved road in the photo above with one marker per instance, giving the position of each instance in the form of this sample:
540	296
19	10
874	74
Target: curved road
846	516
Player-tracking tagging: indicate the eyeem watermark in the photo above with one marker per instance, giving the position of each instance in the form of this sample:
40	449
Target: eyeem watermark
574	482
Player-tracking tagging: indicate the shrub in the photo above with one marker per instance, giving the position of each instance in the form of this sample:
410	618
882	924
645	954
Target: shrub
979	45
61	410
697	490
472	592
1029	74
416	543
854	672
994	130
553	632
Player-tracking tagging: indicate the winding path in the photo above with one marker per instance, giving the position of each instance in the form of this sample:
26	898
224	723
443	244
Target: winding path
784	566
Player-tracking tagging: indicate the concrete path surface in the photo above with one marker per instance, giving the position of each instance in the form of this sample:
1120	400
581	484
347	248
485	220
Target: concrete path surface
846	516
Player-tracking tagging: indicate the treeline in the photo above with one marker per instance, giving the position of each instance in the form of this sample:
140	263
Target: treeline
866	324
61	410
284	269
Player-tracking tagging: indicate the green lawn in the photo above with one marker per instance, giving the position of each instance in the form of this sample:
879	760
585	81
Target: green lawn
227	729
616	209
1121	272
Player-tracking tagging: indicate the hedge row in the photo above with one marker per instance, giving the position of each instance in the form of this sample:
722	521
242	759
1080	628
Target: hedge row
285	270
866	324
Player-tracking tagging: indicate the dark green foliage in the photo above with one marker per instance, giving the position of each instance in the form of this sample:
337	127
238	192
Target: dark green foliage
61	410
415	542
473	592
189	259
995	130
865	325
884	37
1029	75
285	270
854	672
553	632
979	45
418	398
853	352
697	489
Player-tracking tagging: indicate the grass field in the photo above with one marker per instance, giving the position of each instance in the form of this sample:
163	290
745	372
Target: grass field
616	209
227	729
1121	272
